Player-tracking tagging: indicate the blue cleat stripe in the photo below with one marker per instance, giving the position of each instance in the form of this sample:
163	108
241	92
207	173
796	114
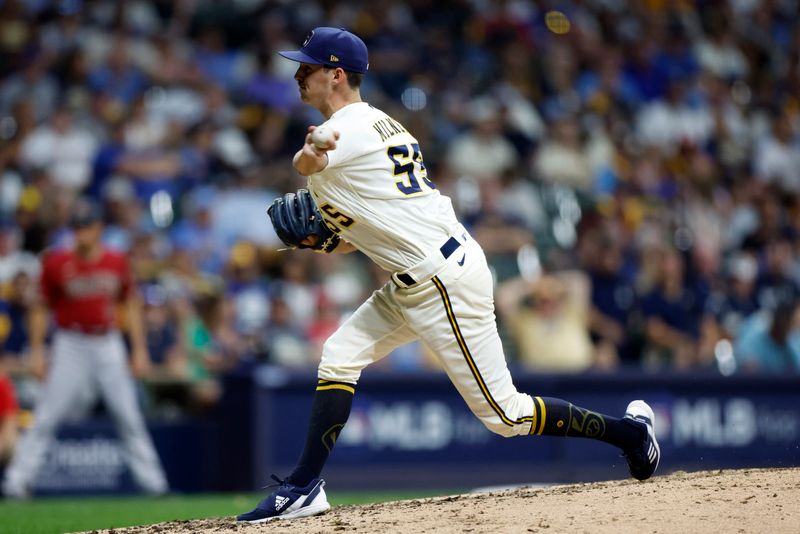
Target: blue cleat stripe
312	494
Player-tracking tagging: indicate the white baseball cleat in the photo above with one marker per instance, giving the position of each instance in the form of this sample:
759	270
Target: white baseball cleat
643	459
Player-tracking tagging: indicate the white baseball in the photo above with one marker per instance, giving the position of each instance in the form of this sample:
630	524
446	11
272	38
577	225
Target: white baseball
321	136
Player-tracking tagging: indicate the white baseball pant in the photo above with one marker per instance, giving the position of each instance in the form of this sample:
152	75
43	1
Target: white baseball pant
84	363
453	313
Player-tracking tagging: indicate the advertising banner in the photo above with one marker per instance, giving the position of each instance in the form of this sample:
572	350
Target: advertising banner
415	430
89	458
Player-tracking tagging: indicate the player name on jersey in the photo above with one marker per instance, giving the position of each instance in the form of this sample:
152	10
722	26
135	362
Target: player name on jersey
387	127
94	284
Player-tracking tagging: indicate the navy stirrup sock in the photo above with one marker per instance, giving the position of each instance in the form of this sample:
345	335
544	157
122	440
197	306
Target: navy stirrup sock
562	418
329	414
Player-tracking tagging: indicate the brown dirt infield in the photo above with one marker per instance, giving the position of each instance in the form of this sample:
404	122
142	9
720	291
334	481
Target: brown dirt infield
738	501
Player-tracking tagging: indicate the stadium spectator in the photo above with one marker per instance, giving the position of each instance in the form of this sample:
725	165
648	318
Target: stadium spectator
117	77
284	343
777	155
502	237
166	386
561	159
248	293
227	67
143	129
326	320
548	319
270	89
61	148
212	348
769	341
33	84
516	198
609	84
196	231
730	305
173	166
14	260
613	298
672	314
482	152
298	290
718	53
19	295
675	120
163	335
776	282
124	214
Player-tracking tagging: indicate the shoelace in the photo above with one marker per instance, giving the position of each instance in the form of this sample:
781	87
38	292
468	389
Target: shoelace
280	482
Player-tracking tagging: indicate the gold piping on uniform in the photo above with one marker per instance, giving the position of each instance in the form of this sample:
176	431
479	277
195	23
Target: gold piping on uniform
468	357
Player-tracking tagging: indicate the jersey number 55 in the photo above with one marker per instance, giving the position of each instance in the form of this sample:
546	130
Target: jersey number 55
407	161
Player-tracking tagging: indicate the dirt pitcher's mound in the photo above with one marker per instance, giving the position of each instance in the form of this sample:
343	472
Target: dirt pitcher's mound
755	500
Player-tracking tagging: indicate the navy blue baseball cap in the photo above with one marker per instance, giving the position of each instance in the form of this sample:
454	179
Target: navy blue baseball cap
85	213
332	47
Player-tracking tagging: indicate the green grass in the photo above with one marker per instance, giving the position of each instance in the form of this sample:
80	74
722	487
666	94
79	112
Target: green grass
57	515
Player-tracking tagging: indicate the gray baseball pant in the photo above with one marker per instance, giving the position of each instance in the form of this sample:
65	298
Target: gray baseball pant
86	364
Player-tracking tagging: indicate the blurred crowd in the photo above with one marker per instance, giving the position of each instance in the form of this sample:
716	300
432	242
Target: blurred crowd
632	170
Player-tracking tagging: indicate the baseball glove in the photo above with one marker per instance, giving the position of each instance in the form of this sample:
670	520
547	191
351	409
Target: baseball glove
295	217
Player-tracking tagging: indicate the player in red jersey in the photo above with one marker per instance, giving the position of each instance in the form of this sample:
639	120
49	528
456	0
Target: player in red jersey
83	287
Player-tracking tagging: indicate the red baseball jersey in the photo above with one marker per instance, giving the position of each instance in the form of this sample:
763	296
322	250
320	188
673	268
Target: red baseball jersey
84	294
8	402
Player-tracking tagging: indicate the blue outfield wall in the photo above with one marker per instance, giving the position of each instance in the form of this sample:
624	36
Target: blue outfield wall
88	458
414	431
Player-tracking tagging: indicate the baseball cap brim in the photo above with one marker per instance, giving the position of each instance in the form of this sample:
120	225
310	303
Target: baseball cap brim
86	214
300	56
82	221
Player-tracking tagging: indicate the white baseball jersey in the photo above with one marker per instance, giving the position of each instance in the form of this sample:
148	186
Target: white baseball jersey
376	194
375	190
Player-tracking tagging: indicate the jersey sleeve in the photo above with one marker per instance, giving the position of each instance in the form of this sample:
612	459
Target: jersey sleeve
348	147
48	279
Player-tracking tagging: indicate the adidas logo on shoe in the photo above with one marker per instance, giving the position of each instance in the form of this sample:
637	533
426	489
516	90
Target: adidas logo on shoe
280	502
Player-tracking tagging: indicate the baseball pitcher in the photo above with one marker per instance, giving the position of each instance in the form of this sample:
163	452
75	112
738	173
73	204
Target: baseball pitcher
368	189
